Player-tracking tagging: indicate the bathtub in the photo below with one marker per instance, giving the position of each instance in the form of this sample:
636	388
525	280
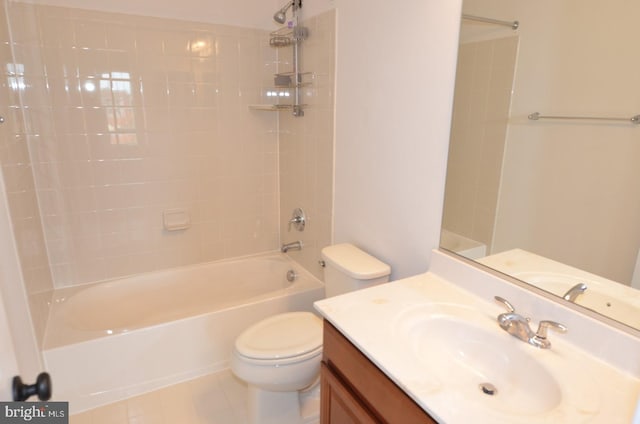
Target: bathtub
461	245
108	341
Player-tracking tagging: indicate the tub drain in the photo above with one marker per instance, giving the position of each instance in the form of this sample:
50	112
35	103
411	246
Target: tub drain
488	389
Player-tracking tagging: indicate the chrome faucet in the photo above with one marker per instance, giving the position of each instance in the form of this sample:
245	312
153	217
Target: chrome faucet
572	294
294	245
518	326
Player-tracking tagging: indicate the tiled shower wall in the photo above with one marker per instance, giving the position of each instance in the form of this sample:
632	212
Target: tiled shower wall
478	134
130	116
306	146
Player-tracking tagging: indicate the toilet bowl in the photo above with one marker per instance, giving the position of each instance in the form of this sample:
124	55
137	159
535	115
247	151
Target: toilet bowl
279	357
280	353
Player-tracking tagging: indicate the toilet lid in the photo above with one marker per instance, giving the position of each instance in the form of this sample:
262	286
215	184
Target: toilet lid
281	336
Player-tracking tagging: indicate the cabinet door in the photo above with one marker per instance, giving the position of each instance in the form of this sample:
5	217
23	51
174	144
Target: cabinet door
338	405
376	394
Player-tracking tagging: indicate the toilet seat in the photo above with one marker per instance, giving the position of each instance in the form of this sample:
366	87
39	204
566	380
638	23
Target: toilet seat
284	338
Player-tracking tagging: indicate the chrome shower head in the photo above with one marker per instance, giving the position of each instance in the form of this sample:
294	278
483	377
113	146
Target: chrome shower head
281	15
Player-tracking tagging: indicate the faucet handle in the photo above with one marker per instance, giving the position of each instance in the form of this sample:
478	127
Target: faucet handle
505	302
544	325
298	219
540	338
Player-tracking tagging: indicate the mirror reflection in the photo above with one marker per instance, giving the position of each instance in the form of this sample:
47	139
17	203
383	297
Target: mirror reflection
543	181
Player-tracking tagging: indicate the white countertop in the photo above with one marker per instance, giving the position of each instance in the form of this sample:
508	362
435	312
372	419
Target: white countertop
593	391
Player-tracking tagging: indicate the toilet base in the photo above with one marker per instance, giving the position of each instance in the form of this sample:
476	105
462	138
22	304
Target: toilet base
266	407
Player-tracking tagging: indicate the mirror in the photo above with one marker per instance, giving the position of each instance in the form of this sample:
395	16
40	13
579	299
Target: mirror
551	198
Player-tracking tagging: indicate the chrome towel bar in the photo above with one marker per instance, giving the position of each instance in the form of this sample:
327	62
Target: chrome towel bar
536	116
512	24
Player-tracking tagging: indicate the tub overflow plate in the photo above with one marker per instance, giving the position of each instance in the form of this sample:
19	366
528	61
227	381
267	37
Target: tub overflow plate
291	276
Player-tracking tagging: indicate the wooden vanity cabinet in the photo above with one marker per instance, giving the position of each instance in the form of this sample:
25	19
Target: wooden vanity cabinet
355	391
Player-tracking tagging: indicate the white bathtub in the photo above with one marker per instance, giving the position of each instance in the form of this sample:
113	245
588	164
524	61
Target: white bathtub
461	245
108	341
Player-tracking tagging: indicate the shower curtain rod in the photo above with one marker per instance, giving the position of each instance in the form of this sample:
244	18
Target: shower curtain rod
511	24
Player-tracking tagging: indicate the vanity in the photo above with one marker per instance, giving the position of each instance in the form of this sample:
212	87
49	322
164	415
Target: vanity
354	390
429	349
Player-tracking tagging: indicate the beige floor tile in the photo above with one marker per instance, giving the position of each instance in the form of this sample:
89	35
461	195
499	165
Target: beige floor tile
147	419
115	413
218	398
219	417
177	405
146	408
207	395
241	416
84	418
234	389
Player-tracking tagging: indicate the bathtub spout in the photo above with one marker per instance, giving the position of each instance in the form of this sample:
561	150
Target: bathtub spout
295	245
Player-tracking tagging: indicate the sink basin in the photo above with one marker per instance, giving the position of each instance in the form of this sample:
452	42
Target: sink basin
485	365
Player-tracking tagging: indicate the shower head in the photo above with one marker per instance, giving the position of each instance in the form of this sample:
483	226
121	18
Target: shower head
281	15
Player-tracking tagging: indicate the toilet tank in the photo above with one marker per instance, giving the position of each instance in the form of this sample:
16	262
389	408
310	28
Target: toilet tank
348	268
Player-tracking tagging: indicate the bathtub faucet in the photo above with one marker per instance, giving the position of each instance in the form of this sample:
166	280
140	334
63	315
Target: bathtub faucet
295	245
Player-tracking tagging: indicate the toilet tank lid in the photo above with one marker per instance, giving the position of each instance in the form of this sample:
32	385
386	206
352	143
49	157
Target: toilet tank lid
354	262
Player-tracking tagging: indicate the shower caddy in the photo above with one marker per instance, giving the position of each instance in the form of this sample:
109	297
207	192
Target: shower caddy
289	36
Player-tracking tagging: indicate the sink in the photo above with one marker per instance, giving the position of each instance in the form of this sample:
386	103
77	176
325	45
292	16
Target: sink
485	365
443	346
598	297
610	298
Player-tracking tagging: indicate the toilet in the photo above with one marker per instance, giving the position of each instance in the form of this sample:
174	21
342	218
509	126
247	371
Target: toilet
279	357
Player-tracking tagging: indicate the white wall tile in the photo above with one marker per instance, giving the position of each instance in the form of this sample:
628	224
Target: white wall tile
306	148
145	114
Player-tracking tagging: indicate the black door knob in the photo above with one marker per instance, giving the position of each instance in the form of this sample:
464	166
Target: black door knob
42	388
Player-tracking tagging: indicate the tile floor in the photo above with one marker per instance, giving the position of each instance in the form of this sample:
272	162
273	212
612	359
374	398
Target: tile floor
213	399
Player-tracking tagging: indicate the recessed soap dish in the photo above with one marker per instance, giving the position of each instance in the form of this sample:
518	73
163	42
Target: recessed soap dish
176	219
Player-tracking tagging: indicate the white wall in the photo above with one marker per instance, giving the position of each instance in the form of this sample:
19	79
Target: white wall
395	78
